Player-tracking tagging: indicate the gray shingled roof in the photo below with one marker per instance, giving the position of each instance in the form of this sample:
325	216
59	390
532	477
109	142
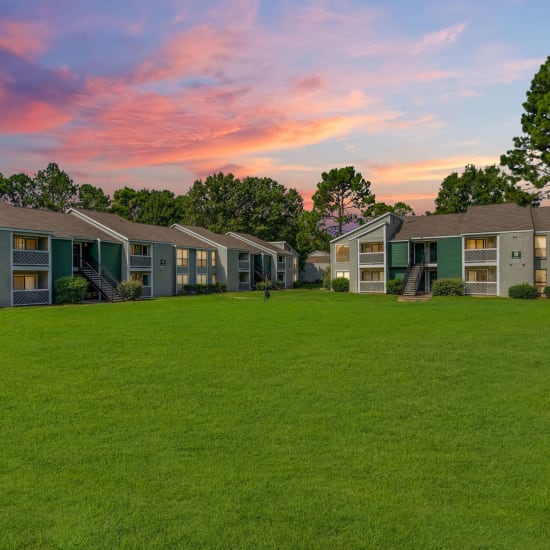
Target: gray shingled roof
144	232
478	219
265	244
541	218
58	224
223	240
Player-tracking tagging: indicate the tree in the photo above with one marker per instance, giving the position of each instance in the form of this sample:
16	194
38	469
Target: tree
379	208
311	235
125	203
56	190
477	187
19	190
157	207
93	198
529	161
340	197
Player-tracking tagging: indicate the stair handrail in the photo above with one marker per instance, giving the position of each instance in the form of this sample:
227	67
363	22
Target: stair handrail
107	281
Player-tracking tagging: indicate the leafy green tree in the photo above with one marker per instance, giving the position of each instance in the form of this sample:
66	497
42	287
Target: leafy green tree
125	203
157	207
311	234
478	186
19	190
379	208
340	198
56	190
529	161
93	198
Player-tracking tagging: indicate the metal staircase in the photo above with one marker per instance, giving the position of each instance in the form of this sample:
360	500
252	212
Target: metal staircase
103	282
413	278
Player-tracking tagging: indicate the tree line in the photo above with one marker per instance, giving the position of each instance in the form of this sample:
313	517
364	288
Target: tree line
343	198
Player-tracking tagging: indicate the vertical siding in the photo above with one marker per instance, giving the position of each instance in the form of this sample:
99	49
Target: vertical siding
111	258
449	258
62	258
164	269
399	254
5	271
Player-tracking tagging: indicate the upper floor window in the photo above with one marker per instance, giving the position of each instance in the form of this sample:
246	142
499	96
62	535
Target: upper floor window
25	243
201	258
182	257
372	247
140	250
213	259
280	259
540	246
479	243
342	253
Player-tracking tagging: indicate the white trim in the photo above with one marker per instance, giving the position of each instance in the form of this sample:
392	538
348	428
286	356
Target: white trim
97	224
196	235
367	227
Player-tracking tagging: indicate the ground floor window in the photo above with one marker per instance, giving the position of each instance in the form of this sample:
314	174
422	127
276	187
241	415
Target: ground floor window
540	279
140	277
280	277
201	278
25	282
213	279
481	275
182	279
344	274
372	275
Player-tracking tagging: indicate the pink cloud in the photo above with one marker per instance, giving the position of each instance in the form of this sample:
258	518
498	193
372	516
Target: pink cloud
439	39
23	38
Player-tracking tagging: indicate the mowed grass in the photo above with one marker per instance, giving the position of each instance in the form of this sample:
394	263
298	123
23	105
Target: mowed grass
312	420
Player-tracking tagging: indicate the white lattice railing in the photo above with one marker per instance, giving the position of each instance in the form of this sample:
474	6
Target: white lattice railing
31	257
369	258
486	289
481	255
371	286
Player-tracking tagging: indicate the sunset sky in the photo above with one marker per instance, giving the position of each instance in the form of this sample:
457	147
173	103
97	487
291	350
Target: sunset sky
157	94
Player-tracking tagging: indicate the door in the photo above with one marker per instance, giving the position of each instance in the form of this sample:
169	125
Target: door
418	252
77	256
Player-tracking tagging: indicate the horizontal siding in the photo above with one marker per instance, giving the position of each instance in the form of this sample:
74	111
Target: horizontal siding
399	256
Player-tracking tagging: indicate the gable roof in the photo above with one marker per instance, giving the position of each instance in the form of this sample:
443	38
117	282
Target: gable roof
225	241
366	227
268	247
140	231
57	224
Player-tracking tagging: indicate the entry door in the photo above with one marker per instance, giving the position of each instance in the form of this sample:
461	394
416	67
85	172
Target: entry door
77	256
418	252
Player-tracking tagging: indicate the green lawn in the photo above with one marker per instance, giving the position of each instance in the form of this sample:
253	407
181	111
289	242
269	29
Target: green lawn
312	420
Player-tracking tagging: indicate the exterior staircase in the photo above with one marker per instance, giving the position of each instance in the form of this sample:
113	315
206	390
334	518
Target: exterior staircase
107	288
412	282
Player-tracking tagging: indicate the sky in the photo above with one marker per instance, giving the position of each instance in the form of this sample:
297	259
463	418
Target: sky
159	94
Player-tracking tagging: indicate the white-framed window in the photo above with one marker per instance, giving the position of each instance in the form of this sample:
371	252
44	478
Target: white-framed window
342	252
540	246
25	282
25	243
541	279
182	257
213	279
280	259
372	247
481	275
201	259
213	258
344	274
372	275
480	243
181	280
201	278
140	250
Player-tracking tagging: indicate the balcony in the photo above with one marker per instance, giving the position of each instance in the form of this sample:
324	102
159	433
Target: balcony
31	257
484	289
281	266
370	258
482	255
147	292
244	265
140	261
371	286
244	286
36	297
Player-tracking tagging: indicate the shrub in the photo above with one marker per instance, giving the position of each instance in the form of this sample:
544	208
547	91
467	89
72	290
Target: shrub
70	290
523	291
130	290
326	278
190	289
546	291
297	284
448	287
340	284
221	287
262	285
394	286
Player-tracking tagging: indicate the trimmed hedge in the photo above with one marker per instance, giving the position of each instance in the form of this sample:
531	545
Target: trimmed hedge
448	287
340	284
394	286
523	291
70	290
130	290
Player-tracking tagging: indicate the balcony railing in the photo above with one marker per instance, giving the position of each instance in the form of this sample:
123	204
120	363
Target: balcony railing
281	266
371	286
31	297
244	286
31	257
369	258
244	265
486	289
140	261
147	291
480	255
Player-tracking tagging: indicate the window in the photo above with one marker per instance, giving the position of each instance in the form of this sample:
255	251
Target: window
140	277
540	279
213	279
481	243
24	243
540	246
182	257
280	259
344	274
139	250
201	279
374	275
372	247
342	253
481	275
182	279
25	282
213	258
201	259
